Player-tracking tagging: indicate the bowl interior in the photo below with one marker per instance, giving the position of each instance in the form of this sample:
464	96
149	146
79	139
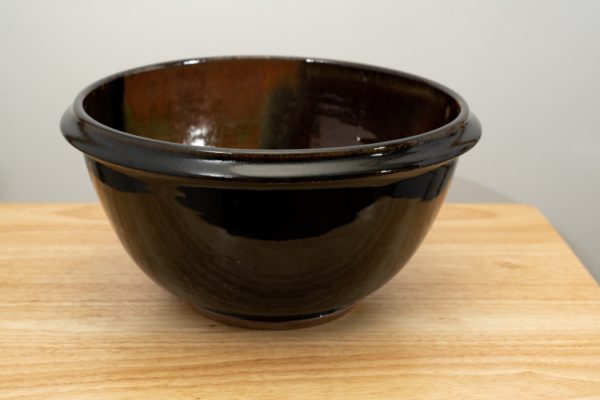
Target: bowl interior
266	103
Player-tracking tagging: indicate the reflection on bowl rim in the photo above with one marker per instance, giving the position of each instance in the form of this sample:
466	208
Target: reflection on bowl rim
120	148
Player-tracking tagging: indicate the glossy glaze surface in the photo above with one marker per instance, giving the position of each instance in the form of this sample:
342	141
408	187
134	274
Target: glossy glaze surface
332	105
269	104
270	190
269	253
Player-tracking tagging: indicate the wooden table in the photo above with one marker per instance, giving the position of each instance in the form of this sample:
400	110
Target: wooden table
493	306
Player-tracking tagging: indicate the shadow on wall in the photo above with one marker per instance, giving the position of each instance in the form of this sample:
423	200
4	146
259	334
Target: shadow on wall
466	191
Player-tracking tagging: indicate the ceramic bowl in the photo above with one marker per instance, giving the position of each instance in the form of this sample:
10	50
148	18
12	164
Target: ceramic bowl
270	192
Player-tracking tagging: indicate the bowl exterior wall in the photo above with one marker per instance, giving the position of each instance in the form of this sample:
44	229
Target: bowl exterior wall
269	253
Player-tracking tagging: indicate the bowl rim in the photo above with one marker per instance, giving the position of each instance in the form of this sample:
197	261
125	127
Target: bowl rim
121	148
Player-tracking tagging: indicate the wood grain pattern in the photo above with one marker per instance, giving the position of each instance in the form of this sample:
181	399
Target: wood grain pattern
493	306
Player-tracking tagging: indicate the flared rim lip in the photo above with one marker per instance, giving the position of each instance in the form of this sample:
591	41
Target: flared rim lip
265	154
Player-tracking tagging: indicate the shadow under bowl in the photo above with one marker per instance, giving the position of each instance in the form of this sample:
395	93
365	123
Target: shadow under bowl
270	192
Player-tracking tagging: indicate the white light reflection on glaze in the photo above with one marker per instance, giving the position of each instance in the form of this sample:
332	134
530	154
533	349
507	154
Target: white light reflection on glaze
198	135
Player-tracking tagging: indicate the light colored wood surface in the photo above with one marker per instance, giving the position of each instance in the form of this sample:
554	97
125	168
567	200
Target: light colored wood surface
493	306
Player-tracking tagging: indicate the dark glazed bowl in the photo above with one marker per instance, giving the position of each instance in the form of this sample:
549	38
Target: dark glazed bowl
270	192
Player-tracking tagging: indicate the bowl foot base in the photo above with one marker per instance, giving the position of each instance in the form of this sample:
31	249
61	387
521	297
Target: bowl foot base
277	323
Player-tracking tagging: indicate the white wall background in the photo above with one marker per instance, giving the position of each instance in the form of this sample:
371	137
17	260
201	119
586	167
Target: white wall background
529	69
